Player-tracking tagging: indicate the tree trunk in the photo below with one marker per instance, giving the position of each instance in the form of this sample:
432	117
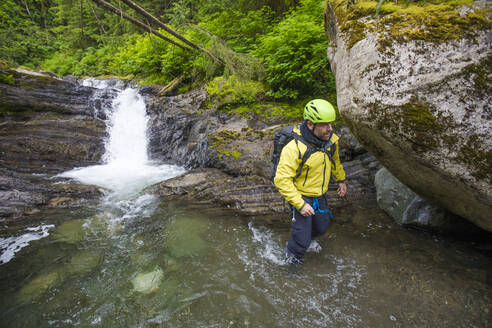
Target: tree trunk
156	21
101	27
171	86
138	23
28	11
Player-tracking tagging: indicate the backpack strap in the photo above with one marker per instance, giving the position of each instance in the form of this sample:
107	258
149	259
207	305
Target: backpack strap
329	149
309	151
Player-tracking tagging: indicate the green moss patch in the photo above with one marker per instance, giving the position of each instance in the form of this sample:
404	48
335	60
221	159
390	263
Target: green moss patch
419	116
221	142
479	75
232	91
437	21
473	154
415	119
269	111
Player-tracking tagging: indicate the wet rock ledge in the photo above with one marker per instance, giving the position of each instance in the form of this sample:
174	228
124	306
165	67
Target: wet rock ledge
47	126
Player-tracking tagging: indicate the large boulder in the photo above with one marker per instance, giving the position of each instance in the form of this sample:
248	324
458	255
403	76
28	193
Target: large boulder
414	87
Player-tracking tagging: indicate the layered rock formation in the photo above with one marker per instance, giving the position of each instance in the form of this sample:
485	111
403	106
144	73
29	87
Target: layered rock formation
47	126
414	87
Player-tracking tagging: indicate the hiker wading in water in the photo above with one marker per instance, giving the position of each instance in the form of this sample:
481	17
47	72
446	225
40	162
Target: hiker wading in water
304	181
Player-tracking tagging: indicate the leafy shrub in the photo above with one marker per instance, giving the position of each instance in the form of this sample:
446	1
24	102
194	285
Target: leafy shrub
60	63
139	54
230	91
294	54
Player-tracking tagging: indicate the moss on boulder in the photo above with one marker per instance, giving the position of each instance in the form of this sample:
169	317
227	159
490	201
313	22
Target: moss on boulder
402	21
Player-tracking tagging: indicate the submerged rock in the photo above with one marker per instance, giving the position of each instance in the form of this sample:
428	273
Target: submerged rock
148	282
183	237
408	208
38	286
84	263
414	89
70	232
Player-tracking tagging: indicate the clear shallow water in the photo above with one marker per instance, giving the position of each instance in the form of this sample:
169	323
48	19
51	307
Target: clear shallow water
210	269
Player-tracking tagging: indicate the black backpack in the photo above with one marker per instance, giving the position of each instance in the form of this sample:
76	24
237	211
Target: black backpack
286	134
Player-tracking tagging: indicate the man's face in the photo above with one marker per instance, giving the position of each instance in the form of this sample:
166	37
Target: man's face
321	130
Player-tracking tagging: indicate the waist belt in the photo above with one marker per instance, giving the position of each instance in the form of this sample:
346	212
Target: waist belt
315	208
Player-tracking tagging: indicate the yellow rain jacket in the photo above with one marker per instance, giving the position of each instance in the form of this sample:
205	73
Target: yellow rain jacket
315	175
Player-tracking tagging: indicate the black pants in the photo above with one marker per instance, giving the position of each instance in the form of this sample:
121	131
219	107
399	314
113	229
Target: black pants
306	228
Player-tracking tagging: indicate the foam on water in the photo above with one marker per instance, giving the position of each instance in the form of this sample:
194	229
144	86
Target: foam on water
25	71
265	257
11	245
268	245
123	179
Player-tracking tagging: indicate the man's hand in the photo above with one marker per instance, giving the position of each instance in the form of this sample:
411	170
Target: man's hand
342	189
307	210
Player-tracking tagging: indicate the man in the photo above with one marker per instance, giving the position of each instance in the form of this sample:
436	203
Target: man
304	187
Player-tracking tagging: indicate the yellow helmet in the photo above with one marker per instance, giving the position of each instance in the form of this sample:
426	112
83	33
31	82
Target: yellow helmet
319	111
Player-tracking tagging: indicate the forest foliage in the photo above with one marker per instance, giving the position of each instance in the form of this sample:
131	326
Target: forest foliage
276	47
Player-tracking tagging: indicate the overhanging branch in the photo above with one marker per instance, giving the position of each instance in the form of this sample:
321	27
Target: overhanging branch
144	26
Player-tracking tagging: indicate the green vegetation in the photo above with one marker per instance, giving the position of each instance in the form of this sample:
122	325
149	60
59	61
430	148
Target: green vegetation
272	111
230	91
7	79
273	50
219	142
294	54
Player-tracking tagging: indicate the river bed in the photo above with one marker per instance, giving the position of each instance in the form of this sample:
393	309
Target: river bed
169	264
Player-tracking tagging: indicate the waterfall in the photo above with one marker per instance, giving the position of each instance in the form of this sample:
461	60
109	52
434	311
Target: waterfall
126	169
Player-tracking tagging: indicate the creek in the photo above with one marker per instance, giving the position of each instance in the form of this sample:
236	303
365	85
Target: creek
131	259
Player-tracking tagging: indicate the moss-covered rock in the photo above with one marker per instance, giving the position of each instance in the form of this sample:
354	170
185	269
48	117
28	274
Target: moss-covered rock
414	87
403	21
246	151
